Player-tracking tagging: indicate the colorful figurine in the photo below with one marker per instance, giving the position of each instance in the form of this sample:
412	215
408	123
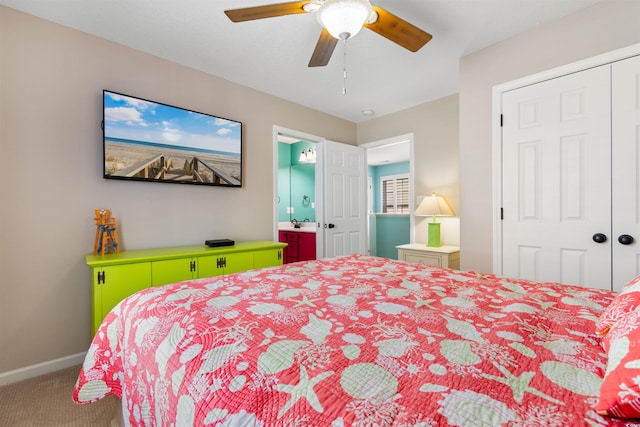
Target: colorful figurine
106	235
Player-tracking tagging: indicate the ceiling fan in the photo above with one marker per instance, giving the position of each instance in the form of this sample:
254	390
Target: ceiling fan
340	19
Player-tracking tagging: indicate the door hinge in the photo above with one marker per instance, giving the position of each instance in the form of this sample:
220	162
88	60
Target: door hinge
100	277
501	120
501	213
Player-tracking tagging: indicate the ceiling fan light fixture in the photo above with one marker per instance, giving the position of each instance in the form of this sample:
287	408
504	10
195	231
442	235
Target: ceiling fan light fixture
343	18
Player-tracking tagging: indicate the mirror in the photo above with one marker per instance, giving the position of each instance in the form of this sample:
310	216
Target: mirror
296	180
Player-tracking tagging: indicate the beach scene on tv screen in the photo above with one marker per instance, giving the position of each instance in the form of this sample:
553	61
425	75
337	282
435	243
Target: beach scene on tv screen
157	142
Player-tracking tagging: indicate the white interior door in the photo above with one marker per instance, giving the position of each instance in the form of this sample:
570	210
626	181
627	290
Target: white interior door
625	188
556	180
344	227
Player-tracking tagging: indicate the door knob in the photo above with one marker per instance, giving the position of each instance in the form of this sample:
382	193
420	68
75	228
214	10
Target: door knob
625	239
332	226
599	238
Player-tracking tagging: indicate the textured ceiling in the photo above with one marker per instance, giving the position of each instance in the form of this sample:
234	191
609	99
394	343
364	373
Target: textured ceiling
271	55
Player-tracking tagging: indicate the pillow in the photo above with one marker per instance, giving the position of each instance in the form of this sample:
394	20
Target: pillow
626	301
620	389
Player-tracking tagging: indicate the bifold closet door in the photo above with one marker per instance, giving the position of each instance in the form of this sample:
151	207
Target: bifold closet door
556	180
625	96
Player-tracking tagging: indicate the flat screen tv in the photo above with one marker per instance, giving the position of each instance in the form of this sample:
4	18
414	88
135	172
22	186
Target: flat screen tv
154	142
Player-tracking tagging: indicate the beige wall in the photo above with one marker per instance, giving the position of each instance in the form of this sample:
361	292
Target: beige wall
436	151
607	26
51	81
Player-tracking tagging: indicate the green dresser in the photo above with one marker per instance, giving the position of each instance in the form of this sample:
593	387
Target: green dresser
116	276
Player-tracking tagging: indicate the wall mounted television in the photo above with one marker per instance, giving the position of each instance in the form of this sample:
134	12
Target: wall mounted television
154	142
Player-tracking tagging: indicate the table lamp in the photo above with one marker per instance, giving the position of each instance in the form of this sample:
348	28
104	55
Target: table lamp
434	206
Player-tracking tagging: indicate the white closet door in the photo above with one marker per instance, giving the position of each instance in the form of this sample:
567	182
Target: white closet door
626	160
556	156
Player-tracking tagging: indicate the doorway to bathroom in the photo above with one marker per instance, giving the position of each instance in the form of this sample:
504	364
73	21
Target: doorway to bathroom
327	198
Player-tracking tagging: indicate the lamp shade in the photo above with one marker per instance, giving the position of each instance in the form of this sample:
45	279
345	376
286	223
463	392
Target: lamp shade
433	206
343	18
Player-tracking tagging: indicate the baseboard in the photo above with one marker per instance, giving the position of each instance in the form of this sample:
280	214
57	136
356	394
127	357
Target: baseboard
41	368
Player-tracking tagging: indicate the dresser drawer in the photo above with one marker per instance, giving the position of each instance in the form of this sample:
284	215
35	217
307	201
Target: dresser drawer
423	258
420	253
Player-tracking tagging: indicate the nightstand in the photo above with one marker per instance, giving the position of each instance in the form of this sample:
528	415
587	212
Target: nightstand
441	256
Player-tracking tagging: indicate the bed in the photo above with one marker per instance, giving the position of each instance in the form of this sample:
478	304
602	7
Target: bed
359	341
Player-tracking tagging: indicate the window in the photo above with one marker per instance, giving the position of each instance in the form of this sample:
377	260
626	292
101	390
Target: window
395	194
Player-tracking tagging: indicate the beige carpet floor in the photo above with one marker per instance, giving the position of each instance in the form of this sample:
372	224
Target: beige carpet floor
46	401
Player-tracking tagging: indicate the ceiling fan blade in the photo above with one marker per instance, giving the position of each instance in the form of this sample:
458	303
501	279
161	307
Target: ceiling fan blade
268	11
398	30
324	49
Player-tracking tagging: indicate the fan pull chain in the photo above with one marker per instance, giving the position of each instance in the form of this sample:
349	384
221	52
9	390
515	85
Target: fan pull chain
344	67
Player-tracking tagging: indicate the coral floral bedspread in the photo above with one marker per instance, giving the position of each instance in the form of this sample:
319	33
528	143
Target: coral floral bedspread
352	341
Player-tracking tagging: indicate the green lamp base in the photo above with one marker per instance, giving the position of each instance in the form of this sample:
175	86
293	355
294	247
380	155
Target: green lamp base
434	234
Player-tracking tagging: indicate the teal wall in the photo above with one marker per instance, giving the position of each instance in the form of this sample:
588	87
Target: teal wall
391	230
284	182
386	231
295	180
303	184
375	172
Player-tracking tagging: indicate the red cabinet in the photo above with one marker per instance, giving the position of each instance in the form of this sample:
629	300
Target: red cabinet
307	246
301	246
